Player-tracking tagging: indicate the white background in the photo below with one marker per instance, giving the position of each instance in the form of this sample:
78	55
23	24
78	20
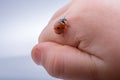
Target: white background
21	22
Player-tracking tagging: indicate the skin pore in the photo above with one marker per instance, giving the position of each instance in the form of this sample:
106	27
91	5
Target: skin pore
90	47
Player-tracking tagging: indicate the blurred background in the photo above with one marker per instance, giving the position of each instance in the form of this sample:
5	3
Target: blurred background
21	22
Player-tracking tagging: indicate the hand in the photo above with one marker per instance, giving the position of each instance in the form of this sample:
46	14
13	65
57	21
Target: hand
89	49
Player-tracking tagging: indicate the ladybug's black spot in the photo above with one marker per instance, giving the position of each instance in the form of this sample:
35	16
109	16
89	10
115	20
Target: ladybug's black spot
58	27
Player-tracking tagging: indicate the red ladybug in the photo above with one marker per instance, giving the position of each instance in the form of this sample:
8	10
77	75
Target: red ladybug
60	26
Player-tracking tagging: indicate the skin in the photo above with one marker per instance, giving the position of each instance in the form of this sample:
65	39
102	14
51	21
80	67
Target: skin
89	49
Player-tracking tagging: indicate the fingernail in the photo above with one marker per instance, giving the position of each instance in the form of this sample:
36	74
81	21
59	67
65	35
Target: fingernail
36	55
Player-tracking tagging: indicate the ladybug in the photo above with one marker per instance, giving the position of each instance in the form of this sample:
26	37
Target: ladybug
60	26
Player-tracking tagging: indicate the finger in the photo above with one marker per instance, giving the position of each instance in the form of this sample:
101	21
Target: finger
63	61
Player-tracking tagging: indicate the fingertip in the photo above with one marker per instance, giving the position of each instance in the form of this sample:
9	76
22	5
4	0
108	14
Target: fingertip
36	54
38	50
